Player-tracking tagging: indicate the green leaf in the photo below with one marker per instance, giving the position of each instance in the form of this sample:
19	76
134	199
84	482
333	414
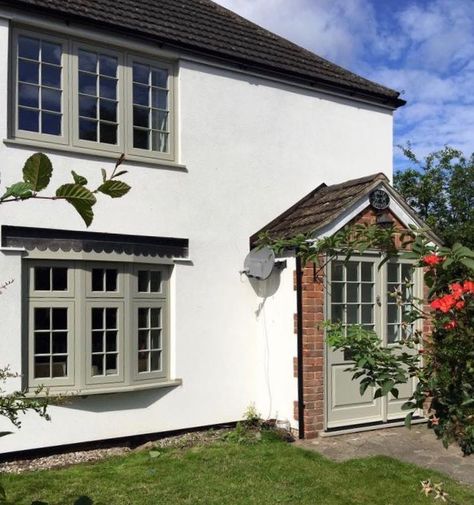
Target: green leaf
468	262
78	179
3	495
18	190
448	262
387	388
409	256
364	384
395	393
80	198
37	171
5	433
408	419
114	189
104	174
118	174
408	406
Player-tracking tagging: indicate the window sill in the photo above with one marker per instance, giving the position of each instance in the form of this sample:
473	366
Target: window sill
142	160
82	393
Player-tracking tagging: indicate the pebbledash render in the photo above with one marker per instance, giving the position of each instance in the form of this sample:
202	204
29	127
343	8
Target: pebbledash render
146	319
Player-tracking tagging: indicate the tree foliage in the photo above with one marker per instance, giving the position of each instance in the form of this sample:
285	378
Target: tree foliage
441	190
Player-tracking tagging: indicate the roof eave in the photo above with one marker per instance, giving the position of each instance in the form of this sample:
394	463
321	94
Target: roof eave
322	83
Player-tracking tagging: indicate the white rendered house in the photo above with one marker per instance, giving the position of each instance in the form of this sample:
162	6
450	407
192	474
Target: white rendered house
145	316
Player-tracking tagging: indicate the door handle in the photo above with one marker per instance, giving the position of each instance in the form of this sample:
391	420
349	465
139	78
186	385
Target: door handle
378	300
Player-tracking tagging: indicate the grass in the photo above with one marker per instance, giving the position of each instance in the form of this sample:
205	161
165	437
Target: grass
268	472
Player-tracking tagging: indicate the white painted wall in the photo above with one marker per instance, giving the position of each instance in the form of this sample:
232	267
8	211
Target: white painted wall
252	147
277	387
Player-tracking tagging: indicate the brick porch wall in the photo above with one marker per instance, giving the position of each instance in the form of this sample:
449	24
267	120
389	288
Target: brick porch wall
313	300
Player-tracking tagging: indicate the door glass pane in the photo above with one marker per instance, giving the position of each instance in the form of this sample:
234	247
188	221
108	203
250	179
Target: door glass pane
392	272
367	272
393	314
337	292
367	315
352	293
337	271
367	293
353	314
352	271
393	333
337	313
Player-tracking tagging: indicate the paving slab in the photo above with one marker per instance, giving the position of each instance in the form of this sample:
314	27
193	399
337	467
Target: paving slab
418	445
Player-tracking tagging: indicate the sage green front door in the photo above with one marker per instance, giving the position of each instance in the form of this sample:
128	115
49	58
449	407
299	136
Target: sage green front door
358	292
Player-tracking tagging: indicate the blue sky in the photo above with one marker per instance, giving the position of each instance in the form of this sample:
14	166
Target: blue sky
424	48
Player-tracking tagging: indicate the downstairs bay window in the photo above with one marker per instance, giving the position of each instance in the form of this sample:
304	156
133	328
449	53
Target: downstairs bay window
95	326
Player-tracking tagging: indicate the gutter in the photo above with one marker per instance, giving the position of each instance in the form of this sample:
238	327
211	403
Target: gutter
299	332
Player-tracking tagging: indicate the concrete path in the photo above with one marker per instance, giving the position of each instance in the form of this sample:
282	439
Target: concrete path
418	446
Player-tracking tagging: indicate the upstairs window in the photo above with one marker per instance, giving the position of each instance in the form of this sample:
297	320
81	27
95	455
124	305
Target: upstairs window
91	97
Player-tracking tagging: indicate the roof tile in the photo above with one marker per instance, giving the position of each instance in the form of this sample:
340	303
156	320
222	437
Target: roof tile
204	26
320	207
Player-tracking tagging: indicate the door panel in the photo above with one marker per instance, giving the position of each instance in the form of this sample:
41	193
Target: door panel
346	405
358	294
352	294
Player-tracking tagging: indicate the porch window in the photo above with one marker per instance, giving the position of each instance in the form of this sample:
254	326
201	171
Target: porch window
362	293
352	293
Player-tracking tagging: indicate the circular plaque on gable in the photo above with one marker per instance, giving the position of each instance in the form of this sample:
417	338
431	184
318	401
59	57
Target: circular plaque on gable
379	199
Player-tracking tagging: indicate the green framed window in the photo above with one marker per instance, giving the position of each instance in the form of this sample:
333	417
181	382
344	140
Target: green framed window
91	96
97	324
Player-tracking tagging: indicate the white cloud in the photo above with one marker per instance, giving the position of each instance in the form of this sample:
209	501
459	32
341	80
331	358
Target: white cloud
425	49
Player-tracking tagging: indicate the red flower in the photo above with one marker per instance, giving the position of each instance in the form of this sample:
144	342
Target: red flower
456	289
468	287
444	304
460	304
451	325
432	260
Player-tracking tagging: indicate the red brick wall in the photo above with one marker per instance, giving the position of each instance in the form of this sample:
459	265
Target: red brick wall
313	299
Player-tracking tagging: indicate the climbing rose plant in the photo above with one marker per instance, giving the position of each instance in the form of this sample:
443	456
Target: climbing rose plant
441	360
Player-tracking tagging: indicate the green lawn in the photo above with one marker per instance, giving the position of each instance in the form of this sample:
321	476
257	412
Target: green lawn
268	472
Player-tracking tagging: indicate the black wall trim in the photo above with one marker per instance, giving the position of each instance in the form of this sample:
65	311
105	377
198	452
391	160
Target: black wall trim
66	240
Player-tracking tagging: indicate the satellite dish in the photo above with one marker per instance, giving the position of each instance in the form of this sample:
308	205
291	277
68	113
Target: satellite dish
259	263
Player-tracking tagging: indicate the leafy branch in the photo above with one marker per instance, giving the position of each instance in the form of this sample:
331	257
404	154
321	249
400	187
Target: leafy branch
37	173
